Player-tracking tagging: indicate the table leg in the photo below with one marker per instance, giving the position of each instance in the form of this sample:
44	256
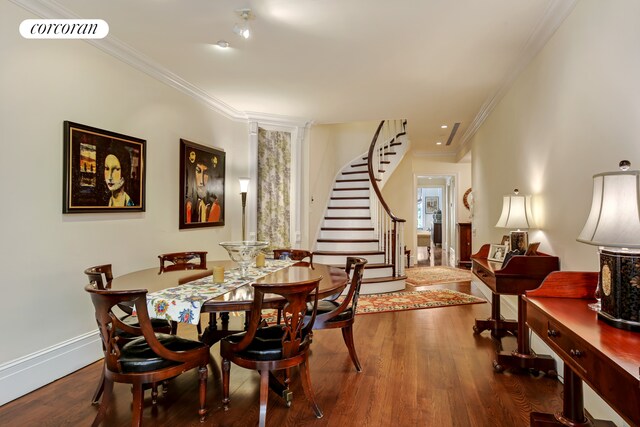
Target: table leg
498	326
523	358
572	407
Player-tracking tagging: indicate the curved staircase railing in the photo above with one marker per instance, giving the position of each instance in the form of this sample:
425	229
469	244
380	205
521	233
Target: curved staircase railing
388	227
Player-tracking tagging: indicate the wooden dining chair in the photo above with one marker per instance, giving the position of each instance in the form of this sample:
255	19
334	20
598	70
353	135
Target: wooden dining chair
148	359
277	347
183	261
293	254
101	276
334	313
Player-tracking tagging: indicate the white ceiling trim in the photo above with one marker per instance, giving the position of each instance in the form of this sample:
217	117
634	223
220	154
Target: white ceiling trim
555	14
50	9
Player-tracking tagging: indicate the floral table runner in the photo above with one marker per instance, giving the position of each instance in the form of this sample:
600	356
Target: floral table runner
183	303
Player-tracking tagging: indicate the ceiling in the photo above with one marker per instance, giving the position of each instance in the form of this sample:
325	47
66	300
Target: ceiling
432	62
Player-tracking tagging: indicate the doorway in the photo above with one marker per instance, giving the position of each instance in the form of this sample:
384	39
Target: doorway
435	220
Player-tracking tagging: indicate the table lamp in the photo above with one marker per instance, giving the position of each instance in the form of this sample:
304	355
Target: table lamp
516	213
614	226
244	186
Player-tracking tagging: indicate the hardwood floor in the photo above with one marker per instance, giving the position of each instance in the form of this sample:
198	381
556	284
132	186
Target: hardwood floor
420	368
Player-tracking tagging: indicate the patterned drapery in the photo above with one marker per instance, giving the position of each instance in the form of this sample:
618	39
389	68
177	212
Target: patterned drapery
274	183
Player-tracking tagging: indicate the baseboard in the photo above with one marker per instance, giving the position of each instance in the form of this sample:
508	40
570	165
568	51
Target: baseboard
25	374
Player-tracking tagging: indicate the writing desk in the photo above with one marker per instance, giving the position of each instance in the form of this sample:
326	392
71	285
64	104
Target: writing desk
521	273
605	357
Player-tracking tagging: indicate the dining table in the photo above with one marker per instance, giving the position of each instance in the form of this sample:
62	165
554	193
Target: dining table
237	293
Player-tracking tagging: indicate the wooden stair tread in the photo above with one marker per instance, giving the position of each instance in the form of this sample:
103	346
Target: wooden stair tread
347	217
350	253
348	240
352	180
383	279
368	266
348	207
351	189
350	198
346	228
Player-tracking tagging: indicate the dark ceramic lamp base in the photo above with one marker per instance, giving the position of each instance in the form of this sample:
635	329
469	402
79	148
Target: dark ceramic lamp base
629	325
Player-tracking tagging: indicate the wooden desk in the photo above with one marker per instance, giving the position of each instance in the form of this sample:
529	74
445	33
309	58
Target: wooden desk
605	357
520	274
333	280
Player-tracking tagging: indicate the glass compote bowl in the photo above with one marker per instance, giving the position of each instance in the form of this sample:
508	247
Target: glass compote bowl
244	252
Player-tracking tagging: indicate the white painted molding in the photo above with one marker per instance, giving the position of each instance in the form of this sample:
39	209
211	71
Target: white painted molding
553	17
25	374
50	9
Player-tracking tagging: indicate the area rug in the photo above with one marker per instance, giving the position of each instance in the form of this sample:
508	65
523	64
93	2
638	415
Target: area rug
399	301
421	276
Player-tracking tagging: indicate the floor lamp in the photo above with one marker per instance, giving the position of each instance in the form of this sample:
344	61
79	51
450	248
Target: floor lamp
244	186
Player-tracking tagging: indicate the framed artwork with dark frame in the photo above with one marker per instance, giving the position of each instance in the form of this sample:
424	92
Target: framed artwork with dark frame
202	174
519	241
103	171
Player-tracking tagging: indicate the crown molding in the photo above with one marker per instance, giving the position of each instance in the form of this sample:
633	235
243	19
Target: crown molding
49	9
553	17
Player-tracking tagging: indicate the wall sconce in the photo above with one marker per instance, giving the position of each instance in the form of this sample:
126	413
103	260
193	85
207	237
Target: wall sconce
614	226
244	186
516	213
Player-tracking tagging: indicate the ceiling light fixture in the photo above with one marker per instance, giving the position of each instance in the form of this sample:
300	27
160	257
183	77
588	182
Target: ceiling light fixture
439	143
242	29
444	126
222	43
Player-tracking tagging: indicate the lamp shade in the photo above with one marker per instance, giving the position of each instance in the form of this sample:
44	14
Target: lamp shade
244	184
516	212
614	219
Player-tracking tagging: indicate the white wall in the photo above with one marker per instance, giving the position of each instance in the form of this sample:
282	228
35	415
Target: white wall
43	252
572	113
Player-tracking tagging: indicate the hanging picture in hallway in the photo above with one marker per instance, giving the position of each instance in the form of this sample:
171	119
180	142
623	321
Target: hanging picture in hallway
432	203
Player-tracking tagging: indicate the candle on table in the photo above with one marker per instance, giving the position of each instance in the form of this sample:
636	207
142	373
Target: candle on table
218	274
260	260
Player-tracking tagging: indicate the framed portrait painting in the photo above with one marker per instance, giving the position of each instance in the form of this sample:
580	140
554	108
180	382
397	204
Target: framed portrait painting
202	172
432	203
103	171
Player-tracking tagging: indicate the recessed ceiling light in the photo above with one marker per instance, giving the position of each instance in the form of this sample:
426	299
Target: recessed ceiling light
222	43
444	126
439	143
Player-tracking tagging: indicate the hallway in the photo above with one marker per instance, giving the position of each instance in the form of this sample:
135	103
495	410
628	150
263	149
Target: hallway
431	256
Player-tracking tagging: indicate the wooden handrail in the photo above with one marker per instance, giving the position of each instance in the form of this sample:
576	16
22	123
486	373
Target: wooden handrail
372	177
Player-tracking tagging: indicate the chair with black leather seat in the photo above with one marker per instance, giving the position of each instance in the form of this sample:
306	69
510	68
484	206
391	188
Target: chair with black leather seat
101	276
340	313
147	359
293	254
183	261
277	347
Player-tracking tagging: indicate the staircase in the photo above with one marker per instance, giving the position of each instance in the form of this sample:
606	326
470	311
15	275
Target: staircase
351	227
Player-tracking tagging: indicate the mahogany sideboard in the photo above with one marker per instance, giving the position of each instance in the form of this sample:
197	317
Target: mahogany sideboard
520	274
605	357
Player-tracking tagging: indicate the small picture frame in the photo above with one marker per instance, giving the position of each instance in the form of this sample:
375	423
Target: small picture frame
432	204
104	171
506	241
519	240
497	252
202	175
532	249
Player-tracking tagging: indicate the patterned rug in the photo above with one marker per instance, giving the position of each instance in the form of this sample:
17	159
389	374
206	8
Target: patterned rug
399	301
421	276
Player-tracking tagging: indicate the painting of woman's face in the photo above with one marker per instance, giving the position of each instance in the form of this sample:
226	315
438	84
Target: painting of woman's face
113	173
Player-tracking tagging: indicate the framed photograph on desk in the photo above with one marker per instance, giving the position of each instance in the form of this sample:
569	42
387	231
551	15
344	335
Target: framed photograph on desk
497	252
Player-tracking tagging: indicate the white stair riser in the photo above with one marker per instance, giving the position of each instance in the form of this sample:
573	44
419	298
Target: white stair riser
347	246
382	287
361	175
374	273
347	234
349	213
346	223
342	259
350	193
349	202
351	184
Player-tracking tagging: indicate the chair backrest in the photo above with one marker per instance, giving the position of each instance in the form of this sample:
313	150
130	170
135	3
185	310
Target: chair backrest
101	275
350	301
183	261
295	331
293	254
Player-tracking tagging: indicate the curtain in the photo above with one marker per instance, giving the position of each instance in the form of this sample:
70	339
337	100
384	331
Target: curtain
274	176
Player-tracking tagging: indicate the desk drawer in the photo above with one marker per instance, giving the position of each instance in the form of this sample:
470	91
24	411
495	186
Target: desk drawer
571	349
487	277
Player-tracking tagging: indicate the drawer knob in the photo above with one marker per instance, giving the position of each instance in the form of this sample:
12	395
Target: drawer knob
575	353
552	333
